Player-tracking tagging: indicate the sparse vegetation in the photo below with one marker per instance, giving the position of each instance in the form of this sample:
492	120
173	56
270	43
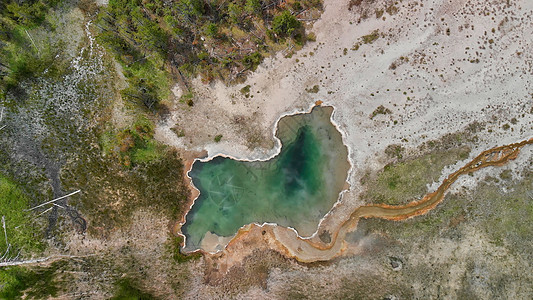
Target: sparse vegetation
153	40
370	38
395	150
367	39
314	89
380	110
404	181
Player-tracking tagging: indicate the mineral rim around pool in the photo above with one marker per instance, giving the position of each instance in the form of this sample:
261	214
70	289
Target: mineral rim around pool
295	189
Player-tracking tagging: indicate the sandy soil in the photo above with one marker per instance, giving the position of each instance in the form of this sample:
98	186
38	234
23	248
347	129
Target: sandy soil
456	62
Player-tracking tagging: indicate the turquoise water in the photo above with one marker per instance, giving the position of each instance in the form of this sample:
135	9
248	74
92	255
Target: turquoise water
296	188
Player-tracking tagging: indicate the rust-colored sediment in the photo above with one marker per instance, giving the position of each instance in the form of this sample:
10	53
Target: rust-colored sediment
287	241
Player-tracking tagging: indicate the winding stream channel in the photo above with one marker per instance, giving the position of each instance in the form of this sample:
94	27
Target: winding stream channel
290	244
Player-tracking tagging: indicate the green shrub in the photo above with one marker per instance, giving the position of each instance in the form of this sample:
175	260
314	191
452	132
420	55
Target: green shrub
314	89
370	38
285	24
246	89
253	60
253	7
211	29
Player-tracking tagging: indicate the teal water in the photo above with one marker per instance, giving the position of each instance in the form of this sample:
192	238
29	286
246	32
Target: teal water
296	188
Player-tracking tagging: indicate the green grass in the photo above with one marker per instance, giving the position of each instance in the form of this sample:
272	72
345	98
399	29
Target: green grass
402	182
108	141
21	233
150	152
25	60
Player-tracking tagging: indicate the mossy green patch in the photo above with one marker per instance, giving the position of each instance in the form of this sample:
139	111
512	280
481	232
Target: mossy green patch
127	289
32	283
20	230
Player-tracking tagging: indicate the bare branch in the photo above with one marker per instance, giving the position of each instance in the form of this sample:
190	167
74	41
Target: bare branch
2	117
55	204
40	260
52	201
7	251
22	262
47	210
38	52
4	225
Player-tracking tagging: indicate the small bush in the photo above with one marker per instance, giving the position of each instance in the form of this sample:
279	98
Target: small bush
314	89
285	24
370	38
253	60
380	110
188	98
246	89
218	138
211	29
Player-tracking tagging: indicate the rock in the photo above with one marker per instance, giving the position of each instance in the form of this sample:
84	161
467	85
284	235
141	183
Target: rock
396	263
